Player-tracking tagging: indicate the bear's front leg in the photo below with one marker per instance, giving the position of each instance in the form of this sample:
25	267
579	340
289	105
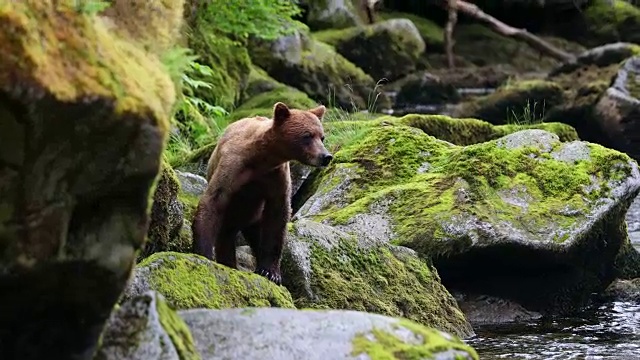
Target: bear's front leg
275	216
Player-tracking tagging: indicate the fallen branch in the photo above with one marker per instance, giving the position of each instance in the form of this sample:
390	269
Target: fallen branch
506	30
448	31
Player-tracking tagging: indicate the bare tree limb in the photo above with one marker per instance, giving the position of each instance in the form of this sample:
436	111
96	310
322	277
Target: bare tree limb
501	28
448	31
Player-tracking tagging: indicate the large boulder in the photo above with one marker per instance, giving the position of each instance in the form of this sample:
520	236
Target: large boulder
287	334
83	118
325	268
189	281
524	217
386	50
618	110
309	65
146	327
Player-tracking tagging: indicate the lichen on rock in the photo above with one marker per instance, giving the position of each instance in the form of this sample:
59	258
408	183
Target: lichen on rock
83	114
312	334
189	281
487	212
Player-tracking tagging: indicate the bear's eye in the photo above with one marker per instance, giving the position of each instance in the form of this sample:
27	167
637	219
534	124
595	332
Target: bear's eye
322	139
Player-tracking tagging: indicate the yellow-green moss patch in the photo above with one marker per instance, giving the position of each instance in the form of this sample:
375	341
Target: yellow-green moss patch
189	281
177	331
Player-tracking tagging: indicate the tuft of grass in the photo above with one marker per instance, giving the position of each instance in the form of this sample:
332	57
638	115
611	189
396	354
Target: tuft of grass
91	7
527	116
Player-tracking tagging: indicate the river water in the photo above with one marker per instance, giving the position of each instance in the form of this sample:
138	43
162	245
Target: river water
610	331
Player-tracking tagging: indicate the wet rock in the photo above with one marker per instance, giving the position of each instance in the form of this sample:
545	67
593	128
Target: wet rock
145	327
83	117
489	310
624	290
317	334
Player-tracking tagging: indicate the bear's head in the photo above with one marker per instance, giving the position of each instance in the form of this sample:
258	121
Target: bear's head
301	135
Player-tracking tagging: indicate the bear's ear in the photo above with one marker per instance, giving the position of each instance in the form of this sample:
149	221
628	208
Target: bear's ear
318	111
280	112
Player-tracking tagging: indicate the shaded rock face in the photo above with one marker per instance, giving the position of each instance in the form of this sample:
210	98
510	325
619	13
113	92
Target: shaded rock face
525	217
624	290
167	216
316	335
334	14
145	327
80	146
618	110
488	310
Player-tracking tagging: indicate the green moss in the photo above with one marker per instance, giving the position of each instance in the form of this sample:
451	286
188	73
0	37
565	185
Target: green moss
243	113
526	101
189	204
374	279
611	21
387	346
189	281
230	63
388	49
473	181
166	215
467	131
177	331
321	73
44	40
432	33
259	82
292	97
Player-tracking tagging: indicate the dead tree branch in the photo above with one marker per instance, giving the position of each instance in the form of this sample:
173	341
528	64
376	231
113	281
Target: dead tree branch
501	28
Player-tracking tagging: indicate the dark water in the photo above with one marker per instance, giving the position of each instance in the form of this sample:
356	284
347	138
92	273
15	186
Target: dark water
610	331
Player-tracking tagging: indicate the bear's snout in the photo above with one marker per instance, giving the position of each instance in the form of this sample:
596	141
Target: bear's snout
326	159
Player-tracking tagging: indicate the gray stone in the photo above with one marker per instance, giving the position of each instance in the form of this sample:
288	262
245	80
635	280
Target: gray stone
191	184
288	334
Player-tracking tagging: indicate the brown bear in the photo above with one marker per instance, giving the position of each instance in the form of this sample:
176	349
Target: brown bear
249	189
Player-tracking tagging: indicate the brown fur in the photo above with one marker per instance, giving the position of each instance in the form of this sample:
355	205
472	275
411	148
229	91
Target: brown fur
249	186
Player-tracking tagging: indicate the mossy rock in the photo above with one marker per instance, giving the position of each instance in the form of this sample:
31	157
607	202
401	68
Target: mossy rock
386	50
474	131
489	214
608	21
313	334
316	69
190	281
146	327
83	119
328	269
167	216
432	34
521	102
156	25
293	97
260	82
600	56
332	14
229	61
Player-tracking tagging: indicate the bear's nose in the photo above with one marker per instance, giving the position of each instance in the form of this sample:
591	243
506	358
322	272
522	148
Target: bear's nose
326	159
